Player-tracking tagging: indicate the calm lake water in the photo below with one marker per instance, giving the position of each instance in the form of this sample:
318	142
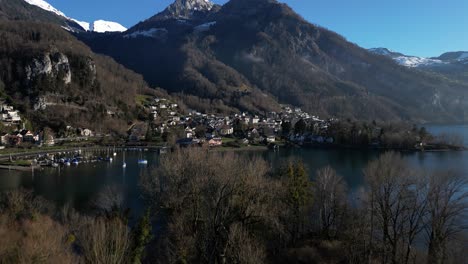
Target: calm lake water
80	185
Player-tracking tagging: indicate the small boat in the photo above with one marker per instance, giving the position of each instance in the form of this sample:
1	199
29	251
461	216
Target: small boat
75	162
67	163
124	165
142	161
115	154
55	165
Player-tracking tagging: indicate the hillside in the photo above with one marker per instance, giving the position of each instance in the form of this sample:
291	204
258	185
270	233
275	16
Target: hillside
23	11
56	81
248	54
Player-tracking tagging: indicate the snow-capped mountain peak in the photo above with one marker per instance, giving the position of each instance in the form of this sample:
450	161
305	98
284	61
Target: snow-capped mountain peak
185	9
381	51
102	26
46	6
406	60
99	26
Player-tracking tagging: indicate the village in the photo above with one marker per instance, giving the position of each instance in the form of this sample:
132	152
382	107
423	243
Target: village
167	124
235	130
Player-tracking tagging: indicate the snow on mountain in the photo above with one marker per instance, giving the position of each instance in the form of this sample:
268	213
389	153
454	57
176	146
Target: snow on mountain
381	51
412	62
204	27
405	60
99	26
46	6
185	9
150	33
102	26
84	25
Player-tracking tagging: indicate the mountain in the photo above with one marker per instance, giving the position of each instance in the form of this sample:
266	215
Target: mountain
21	10
408	61
102	26
253	54
186	9
452	65
458	56
99	26
56	81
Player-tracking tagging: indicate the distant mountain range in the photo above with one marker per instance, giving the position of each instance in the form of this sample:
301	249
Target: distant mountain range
449	58
453	65
100	26
252	55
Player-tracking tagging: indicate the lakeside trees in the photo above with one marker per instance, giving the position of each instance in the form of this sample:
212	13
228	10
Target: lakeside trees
225	208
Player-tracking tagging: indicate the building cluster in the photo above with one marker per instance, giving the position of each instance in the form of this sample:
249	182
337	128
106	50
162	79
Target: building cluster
196	127
9	116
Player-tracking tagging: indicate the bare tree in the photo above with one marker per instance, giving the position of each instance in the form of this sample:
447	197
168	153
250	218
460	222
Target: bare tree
109	199
330	199
105	241
448	207
211	200
396	205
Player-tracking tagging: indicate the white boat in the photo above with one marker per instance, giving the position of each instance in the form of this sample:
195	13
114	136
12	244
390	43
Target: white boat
67	163
124	165
115	154
142	161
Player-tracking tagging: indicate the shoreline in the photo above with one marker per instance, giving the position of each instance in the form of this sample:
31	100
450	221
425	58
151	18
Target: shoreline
31	154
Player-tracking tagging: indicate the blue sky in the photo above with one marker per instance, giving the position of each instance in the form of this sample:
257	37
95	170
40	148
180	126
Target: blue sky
415	27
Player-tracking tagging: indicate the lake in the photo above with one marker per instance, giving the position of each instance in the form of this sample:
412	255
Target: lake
80	185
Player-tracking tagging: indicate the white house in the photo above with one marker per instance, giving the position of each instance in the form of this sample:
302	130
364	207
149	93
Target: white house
226	130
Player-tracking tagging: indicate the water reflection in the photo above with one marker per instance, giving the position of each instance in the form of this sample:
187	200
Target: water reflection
79	185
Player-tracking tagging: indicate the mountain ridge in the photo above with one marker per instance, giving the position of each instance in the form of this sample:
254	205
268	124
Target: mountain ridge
100	26
263	49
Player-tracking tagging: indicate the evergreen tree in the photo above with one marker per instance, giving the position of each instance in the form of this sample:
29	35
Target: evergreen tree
141	237
300	127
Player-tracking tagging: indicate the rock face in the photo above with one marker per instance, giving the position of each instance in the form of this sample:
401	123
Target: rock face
53	65
185	9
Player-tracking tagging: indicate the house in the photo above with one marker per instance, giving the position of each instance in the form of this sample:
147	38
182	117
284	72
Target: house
154	114
252	133
189	133
4	139
215	142
14	139
138	132
255	120
86	133
27	136
13	116
210	135
226	130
